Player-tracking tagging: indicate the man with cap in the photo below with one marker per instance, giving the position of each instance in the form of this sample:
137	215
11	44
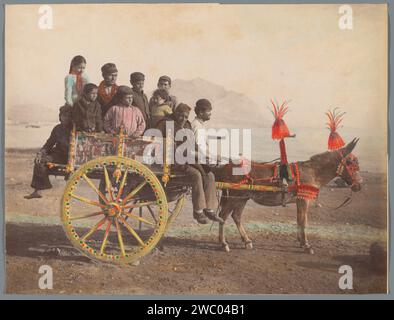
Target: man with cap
140	100
107	88
165	83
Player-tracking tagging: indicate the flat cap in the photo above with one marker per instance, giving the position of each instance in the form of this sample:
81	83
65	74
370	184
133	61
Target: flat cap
137	76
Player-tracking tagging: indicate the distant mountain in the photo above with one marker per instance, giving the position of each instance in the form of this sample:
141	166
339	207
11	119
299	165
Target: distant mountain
231	109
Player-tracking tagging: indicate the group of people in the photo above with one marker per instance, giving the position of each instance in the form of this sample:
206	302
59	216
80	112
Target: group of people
109	107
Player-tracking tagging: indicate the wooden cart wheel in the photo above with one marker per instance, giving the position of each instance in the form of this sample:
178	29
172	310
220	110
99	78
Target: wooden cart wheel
174	208
105	230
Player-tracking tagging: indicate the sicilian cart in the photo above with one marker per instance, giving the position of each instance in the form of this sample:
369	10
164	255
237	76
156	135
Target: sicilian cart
116	205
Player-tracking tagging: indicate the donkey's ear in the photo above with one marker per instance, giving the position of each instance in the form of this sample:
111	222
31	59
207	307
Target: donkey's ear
350	146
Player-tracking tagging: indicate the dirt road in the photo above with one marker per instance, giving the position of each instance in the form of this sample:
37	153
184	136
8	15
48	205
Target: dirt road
192	262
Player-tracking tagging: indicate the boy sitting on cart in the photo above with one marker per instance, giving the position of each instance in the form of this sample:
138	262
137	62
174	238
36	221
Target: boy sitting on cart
55	150
203	184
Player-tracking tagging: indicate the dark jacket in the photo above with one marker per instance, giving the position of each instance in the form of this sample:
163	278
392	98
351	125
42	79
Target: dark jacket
56	151
140	100
87	116
106	102
162	127
58	143
105	106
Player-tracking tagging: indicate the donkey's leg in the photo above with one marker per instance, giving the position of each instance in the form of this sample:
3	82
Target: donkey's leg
237	217
302	210
224	213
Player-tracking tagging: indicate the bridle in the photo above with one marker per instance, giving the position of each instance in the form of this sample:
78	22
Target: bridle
349	164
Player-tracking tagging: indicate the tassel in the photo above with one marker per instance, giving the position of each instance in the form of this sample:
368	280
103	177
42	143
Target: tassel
279	128
335	141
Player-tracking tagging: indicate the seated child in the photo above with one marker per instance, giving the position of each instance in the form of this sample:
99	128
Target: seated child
204	198
55	150
124	114
107	87
75	80
165	83
87	114
159	107
140	100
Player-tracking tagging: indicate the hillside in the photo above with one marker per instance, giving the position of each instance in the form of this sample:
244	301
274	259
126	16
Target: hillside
231	109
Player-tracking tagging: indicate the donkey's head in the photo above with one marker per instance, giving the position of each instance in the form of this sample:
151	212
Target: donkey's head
348	168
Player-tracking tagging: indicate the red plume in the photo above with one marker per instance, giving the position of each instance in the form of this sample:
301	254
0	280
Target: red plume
279	128
335	141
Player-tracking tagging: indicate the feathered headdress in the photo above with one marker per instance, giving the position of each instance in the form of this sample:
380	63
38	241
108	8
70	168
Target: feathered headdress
279	128
335	141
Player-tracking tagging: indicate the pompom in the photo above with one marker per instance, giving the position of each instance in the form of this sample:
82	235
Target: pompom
335	141
279	128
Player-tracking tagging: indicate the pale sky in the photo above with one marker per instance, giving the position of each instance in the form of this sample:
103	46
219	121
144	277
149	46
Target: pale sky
295	52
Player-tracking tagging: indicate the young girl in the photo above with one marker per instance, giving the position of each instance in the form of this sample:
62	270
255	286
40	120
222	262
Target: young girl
87	114
159	107
75	80
123	114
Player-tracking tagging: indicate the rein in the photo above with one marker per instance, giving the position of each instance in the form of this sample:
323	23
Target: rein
345	202
351	169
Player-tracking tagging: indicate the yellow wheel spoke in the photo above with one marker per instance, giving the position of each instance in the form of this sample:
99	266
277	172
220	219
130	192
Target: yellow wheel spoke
105	237
94	228
140	215
140	204
120	239
108	183
93	203
105	202
140	219
87	215
120	191
131	230
91	184
134	192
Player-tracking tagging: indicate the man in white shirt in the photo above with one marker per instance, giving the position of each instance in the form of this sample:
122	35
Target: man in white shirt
203	110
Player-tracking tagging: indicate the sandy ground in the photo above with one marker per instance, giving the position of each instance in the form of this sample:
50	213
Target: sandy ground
192	262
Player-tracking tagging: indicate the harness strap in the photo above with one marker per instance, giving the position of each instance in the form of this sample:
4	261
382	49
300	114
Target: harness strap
303	191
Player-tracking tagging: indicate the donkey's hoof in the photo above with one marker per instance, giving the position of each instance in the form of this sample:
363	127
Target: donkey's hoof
226	248
309	250
249	246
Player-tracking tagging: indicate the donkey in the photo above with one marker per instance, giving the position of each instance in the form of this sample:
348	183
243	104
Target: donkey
317	172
